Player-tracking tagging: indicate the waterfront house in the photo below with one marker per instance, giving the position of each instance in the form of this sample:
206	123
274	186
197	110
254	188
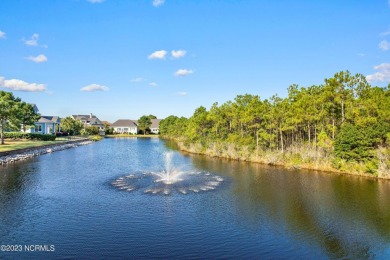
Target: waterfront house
125	126
46	125
155	126
128	126
89	120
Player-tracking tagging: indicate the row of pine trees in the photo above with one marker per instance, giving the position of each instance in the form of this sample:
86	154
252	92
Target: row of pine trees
344	117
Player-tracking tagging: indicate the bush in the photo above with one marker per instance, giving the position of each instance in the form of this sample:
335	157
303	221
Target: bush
95	137
29	136
355	143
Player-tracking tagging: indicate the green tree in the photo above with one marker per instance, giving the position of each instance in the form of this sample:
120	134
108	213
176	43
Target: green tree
28	116
91	130
144	123
9	111
71	125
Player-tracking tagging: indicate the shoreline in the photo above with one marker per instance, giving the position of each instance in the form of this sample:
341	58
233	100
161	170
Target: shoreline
131	136
286	165
27	153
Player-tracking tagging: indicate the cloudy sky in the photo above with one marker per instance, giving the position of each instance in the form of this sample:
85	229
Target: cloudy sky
122	59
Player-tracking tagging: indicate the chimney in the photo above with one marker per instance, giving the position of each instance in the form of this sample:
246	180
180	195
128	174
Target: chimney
90	115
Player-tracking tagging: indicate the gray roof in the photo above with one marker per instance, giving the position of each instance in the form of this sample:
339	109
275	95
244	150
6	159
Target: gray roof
91	119
124	123
155	123
134	123
49	119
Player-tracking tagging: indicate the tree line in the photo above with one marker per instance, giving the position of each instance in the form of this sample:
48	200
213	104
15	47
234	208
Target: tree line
345	117
15	114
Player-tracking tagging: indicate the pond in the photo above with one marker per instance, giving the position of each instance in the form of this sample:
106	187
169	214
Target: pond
112	199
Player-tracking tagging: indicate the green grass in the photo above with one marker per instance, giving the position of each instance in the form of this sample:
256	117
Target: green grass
17	144
11	145
126	135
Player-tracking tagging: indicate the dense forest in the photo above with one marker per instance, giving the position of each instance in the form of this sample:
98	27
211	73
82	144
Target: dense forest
342	124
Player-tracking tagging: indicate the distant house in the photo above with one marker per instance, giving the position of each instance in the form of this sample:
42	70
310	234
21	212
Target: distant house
46	125
155	127
89	120
125	126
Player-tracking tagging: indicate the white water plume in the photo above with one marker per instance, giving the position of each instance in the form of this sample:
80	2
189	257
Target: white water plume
170	180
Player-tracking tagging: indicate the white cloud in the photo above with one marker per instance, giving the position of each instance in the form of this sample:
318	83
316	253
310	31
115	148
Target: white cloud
182	93
33	41
183	72
20	85
95	1
94	87
157	3
137	80
383	74
153	84
386	33
2	35
384	45
158	55
38	59
178	54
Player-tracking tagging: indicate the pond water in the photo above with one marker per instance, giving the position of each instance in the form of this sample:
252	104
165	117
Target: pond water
109	200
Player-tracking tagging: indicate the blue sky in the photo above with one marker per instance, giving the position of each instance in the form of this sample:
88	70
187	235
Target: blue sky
121	59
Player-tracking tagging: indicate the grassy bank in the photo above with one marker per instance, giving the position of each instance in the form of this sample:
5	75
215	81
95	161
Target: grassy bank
298	157
18	144
11	145
126	135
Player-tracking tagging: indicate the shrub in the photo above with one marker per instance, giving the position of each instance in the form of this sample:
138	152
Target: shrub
95	137
29	136
354	143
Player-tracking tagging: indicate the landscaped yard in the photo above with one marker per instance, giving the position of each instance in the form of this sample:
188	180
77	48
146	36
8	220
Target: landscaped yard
11	144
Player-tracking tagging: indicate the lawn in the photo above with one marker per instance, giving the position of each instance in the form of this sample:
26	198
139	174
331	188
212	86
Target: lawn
10	144
127	135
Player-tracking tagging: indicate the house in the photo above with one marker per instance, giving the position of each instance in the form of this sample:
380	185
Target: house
46	125
89	120
155	126
125	126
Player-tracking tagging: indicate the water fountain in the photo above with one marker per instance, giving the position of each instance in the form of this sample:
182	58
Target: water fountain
168	181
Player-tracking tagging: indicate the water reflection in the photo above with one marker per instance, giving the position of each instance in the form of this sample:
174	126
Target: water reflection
346	216
15	182
69	199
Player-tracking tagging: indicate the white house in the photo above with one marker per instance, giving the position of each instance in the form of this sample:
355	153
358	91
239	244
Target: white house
125	126
155	127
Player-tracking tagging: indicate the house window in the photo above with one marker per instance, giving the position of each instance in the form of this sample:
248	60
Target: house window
38	128
125	130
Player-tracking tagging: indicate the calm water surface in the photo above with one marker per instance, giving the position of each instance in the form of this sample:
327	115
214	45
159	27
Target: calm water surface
67	199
